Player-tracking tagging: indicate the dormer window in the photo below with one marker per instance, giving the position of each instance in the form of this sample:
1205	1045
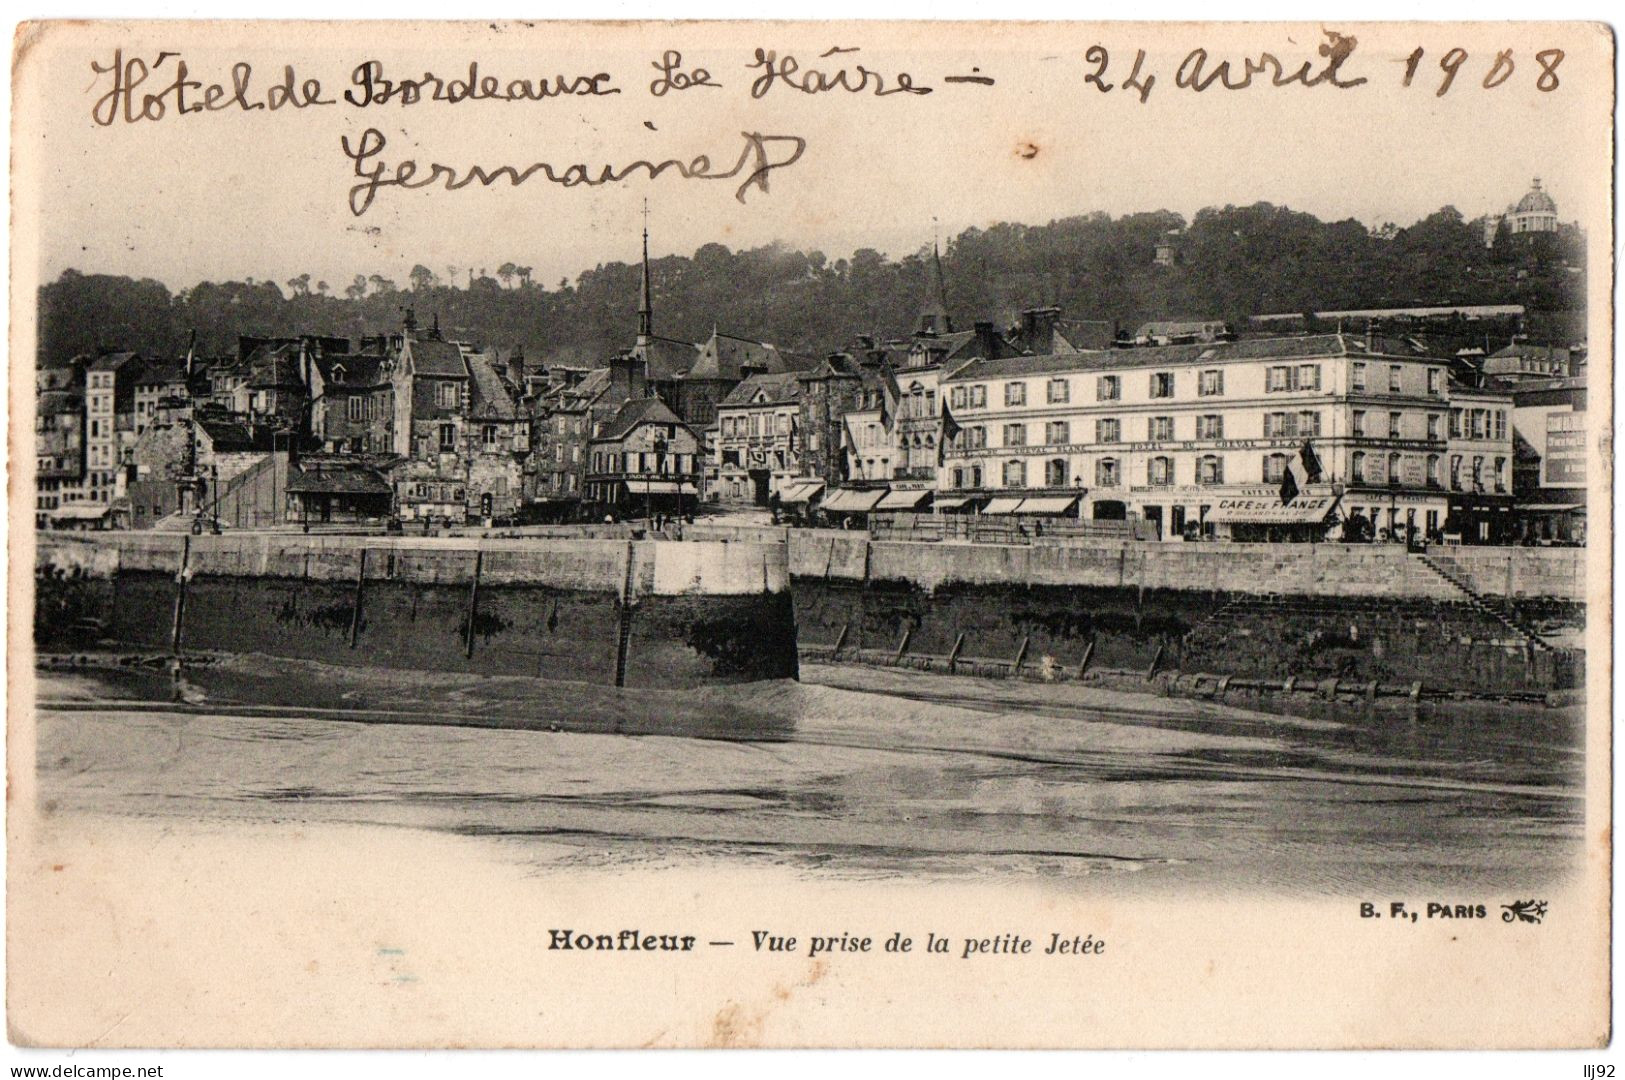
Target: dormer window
338	373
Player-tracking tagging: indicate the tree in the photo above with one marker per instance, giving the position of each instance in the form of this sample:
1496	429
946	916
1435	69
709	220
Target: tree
357	288
381	284
506	272
422	278
323	288
300	286
524	276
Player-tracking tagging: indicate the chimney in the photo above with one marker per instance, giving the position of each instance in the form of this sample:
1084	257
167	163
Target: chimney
1038	329
987	340
628	378
516	366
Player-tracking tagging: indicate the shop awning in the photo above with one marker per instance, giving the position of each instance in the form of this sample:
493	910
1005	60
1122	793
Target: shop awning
660	487
902	500
1048	504
79	512
1552	508
850	501
1002	506
1304	510
954	502
800	492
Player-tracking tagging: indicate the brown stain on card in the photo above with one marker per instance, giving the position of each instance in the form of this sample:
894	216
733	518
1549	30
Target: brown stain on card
736	1026
1026	149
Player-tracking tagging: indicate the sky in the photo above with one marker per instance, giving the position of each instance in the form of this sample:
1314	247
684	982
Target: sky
266	194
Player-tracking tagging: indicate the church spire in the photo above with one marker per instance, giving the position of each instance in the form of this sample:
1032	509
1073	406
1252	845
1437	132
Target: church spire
646	317
933	318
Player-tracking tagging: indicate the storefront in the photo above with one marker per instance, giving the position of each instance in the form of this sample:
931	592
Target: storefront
1266	519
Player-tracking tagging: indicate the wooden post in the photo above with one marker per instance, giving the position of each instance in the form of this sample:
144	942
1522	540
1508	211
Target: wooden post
355	610
953	657
1021	655
180	595
902	646
1088	655
1155	660
841	639
473	603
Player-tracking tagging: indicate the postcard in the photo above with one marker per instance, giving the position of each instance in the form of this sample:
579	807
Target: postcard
810	534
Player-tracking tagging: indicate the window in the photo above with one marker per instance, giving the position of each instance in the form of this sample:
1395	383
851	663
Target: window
1278	379
1455	423
1455	471
1308	423
1478	473
1433	427
1307	377
1500	423
1500	474
975	476
448	437
1108	388
1109	430
1435	381
1057	433
1393	470
1162	384
1015	474
1106	474
1433	470
1357	467
1210	383
446	395
1015	393
959	478
488	436
1015	434
1395	427
1055	473
1060	390
978	397
1160	428
1210	469
1479	421
956	400
1210	427
1160	471
930	403
976	438
1274	468
1279	425
1396	382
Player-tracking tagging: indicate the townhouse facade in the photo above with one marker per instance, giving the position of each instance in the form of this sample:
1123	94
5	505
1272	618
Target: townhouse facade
1199	439
759	441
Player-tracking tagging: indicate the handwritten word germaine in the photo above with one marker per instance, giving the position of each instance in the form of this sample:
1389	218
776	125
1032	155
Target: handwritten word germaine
759	156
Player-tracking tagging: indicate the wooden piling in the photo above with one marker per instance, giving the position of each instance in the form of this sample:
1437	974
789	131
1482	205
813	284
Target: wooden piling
1088	655
355	608
180	595
473	603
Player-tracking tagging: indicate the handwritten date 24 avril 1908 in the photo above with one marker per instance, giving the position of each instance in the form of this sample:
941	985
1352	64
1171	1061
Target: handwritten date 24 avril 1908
134	89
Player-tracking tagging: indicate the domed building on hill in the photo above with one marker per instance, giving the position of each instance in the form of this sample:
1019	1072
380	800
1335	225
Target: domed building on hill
1536	212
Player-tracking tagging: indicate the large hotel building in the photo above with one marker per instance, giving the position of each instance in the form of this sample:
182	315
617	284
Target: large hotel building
1195	438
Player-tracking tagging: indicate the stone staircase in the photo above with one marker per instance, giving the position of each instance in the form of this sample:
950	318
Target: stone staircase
1495	608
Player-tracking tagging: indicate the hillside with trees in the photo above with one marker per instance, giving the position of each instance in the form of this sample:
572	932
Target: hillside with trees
1231	263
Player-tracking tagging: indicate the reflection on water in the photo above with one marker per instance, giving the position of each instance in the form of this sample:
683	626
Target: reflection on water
871	774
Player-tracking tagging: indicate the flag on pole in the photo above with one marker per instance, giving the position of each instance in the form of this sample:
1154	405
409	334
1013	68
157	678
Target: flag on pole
890	393
950	432
1289	486
1311	462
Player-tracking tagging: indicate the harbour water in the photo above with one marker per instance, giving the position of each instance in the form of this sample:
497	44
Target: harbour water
856	773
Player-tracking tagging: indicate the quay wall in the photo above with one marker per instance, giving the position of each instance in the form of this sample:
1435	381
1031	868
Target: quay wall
1333	570
633	613
1360	613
